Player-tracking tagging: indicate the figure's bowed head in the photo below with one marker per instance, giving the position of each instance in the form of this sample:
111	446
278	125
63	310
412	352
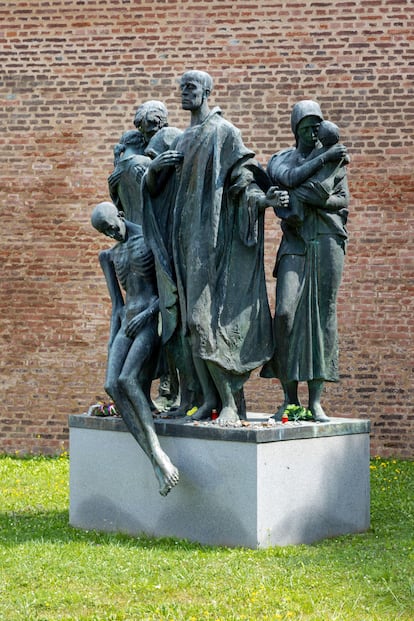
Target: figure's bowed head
150	117
108	220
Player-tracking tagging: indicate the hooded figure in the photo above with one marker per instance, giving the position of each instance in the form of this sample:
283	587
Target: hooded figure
309	261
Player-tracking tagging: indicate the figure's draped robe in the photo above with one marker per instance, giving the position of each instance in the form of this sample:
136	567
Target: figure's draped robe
306	343
208	235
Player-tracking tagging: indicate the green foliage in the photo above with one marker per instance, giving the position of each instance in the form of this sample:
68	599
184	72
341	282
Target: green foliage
52	572
298	412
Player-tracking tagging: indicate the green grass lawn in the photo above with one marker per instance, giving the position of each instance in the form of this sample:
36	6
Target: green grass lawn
50	571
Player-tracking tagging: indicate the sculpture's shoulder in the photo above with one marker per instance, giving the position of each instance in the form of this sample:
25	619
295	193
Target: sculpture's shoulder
282	156
164	139
281	159
215	122
225	126
169	134
136	241
136	160
228	139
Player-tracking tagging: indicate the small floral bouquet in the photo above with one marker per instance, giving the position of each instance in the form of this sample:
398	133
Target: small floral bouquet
296	413
103	408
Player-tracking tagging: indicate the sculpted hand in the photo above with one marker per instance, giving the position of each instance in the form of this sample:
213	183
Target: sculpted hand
277	198
166	160
113	178
135	324
337	152
139	171
160	168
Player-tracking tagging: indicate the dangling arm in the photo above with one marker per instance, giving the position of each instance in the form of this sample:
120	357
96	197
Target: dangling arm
108	268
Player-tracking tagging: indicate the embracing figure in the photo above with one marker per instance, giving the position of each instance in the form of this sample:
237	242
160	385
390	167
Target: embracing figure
310	258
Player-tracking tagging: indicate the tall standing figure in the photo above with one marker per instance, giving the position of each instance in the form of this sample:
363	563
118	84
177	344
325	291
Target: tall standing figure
134	342
214	286
310	258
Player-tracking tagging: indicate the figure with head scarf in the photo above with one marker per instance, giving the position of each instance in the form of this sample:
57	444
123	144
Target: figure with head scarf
323	183
310	258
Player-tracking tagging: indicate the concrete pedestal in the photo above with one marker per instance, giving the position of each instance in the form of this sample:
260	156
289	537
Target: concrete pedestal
255	486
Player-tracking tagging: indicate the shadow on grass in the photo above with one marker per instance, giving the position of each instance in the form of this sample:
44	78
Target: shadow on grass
19	527
29	526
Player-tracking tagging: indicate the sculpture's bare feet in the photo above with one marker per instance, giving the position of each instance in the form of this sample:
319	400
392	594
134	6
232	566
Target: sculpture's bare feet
318	413
203	412
160	476
169	481
166	473
228	415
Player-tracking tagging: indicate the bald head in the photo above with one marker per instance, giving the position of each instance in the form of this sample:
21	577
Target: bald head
201	77
101	214
108	220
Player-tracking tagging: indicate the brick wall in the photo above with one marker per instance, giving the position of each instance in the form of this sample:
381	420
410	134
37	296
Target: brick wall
72	75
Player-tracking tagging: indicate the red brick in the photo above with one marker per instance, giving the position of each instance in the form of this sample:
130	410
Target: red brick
69	86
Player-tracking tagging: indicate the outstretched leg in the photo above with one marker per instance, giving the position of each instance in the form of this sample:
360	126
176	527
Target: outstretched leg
140	416
118	353
126	361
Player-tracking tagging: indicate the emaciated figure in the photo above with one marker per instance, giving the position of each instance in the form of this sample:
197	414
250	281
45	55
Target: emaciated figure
134	341
215	264
310	259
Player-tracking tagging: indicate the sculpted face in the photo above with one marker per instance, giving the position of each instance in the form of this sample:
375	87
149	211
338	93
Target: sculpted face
307	131
192	94
149	124
328	133
114	227
150	117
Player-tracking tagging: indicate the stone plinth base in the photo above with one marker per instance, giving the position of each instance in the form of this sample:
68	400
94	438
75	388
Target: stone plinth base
254	486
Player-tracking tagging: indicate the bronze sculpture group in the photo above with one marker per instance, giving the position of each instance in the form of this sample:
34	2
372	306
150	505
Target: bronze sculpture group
188	218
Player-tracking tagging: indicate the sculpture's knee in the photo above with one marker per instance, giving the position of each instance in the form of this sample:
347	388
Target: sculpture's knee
126	384
112	389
